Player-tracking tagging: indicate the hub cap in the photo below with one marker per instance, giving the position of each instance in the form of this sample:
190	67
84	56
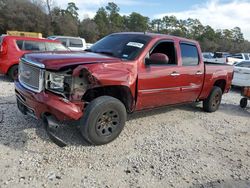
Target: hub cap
107	123
216	100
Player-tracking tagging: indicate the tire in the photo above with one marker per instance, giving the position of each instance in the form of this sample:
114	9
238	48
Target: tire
212	103
243	103
103	120
13	72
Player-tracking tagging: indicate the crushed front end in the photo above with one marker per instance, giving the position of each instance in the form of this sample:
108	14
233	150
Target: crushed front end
48	95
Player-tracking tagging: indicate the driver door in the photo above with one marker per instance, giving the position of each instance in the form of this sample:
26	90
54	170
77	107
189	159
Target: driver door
159	84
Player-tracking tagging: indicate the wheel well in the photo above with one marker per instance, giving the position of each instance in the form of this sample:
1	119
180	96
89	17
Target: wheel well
221	84
121	93
11	68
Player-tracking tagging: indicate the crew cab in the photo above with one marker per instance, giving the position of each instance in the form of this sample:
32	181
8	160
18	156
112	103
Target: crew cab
120	74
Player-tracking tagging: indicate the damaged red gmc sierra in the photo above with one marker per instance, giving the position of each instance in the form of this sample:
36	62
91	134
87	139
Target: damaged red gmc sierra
120	74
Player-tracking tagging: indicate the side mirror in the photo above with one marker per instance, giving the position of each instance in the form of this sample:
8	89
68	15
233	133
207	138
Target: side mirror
157	58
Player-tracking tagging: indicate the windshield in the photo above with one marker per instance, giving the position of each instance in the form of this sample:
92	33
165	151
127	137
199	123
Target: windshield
125	46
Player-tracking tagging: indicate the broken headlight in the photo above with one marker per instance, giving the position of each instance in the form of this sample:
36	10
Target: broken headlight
64	84
58	82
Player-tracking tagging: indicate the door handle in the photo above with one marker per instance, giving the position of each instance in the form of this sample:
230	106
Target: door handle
199	73
175	74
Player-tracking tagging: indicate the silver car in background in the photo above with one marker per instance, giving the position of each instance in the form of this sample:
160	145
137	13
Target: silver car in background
241	74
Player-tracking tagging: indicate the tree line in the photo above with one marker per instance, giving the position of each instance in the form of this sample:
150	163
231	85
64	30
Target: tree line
44	17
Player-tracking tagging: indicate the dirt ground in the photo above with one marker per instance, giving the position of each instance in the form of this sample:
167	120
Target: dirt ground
169	147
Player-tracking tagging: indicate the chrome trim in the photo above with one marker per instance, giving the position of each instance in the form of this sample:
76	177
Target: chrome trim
41	83
180	88
42	66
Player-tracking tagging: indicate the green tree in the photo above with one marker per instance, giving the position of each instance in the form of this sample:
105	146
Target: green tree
137	22
72	10
115	19
22	15
102	22
64	23
88	30
237	35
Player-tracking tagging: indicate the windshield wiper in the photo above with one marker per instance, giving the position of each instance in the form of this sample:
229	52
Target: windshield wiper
88	50
110	53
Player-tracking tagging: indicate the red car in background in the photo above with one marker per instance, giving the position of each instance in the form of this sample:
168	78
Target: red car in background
12	48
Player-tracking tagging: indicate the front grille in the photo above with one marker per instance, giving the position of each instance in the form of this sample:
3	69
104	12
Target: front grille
31	76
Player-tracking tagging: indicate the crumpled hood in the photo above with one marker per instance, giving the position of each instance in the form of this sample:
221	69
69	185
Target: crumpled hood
58	60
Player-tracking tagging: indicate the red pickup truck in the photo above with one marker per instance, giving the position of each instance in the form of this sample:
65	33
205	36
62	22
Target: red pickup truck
120	74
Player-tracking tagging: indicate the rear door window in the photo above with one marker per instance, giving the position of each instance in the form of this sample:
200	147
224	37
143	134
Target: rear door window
19	44
75	43
34	46
189	54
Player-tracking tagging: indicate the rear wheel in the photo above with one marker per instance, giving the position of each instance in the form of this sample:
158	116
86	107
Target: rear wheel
13	72
103	120
243	103
212	103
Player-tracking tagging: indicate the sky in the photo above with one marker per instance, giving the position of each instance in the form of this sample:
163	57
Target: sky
220	14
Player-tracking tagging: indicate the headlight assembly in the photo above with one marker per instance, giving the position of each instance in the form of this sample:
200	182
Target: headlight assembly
64	84
56	82
59	83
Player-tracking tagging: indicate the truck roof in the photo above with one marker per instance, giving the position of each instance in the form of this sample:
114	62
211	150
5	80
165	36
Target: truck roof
158	36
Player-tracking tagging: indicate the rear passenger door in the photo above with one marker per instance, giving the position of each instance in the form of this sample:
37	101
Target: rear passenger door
191	72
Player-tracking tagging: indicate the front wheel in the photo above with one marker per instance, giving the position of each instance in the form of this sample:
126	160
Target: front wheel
212	103
103	120
13	72
243	103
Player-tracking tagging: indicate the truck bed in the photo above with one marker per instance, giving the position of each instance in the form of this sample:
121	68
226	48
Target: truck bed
216	70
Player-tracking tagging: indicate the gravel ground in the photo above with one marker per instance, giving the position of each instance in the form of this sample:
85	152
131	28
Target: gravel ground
169	147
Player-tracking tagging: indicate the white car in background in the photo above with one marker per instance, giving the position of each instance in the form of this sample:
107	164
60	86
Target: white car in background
236	58
216	57
241	74
221	57
73	43
208	57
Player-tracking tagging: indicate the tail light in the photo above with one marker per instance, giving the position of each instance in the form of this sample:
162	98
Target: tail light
3	48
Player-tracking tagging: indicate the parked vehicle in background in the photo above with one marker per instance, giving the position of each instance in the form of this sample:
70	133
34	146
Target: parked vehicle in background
88	45
120	74
208	57
241	74
12	49
221	57
25	34
73	43
236	58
